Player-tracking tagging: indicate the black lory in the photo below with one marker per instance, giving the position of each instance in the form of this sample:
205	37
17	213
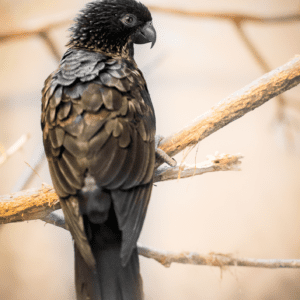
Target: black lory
99	136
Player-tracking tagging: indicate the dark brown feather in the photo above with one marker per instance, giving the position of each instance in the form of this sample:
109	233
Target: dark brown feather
100	122
64	110
56	136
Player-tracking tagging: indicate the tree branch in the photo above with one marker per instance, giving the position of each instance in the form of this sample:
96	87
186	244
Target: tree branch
4	155
234	107
166	258
28	205
217	162
39	203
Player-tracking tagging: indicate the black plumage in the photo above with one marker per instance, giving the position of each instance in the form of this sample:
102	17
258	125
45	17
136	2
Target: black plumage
98	129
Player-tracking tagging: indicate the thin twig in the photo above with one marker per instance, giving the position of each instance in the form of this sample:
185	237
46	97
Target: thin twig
217	162
58	20
38	156
51	45
36	26
258	57
166	258
35	162
261	61
13	149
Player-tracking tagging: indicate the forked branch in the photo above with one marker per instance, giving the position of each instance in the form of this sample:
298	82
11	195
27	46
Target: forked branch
37	204
226	111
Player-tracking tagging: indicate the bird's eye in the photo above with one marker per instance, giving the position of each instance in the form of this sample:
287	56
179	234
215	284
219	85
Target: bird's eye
129	20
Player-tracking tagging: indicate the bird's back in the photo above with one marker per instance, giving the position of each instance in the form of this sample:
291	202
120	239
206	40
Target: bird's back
99	127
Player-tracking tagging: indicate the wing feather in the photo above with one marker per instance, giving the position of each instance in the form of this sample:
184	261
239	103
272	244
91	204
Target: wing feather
131	206
127	166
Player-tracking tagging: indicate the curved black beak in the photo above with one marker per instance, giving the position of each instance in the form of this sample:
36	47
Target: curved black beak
146	34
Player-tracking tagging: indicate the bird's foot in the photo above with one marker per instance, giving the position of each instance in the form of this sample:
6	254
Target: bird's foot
162	155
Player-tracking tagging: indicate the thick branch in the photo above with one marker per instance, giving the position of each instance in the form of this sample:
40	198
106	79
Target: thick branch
234	107
166	258
27	205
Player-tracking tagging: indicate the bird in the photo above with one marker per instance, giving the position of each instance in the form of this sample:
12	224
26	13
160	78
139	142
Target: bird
99	126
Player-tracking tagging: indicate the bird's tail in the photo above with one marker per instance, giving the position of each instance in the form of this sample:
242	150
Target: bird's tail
110	281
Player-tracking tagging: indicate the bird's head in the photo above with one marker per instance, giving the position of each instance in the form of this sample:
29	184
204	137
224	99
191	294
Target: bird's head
112	26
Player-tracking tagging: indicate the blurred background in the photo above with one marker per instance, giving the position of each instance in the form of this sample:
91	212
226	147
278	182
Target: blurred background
195	63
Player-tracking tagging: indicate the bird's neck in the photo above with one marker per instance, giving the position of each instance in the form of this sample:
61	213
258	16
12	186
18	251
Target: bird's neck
126	51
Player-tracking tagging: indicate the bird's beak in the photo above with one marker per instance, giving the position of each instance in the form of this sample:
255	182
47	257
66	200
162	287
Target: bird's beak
145	35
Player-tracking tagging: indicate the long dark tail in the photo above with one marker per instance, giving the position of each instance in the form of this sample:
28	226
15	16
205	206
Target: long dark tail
111	281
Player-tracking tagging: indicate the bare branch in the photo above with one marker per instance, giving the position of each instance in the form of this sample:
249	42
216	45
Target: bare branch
27	205
217	162
35	162
39	203
13	149
51	45
166	258
234	107
226	111
261	61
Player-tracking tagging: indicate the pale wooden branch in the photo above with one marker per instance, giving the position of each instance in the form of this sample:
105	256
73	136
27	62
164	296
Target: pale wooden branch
39	203
234	107
166	258
5	154
217	162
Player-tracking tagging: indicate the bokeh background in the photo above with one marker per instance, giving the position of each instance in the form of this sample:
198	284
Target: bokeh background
195	63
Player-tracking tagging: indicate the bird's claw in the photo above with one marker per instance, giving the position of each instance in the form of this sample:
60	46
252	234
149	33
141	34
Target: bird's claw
162	155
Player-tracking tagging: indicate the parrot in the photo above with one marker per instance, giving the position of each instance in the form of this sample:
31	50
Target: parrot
99	127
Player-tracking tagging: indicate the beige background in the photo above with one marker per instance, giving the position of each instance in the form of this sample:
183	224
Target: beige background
195	64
